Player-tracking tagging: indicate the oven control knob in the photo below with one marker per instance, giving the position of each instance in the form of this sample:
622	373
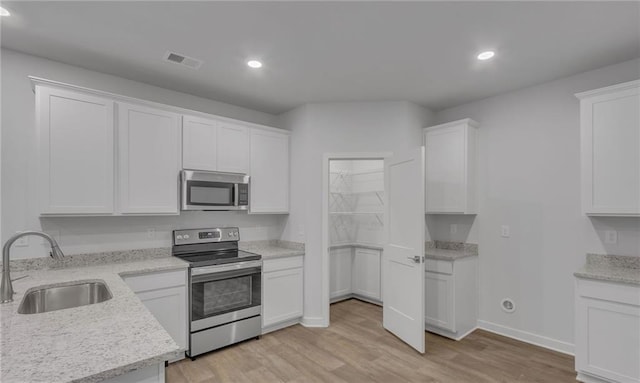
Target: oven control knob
178	237
235	234
230	234
186	236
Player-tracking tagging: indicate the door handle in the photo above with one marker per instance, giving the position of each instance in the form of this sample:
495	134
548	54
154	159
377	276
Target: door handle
415	258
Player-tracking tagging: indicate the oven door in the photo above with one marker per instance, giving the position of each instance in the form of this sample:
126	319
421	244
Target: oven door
224	294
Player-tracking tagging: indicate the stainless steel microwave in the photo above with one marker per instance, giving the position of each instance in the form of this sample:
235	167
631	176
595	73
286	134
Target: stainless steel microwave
203	190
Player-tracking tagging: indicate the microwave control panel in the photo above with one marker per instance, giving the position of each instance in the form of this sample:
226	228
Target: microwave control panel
243	194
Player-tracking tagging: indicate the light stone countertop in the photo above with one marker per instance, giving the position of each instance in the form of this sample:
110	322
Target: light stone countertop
273	248
88	343
612	268
450	251
372	246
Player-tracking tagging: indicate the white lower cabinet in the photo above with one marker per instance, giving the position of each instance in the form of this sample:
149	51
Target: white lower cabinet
340	277
355	272
366	273
607	335
451	301
164	294
150	374
282	292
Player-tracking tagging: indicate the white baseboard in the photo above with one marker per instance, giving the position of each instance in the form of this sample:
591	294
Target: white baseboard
314	322
446	333
524	336
280	326
586	378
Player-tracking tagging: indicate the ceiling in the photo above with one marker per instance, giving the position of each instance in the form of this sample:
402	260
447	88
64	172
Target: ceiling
330	51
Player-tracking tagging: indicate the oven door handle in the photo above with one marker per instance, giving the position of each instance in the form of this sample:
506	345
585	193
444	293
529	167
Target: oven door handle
224	275
235	194
225	267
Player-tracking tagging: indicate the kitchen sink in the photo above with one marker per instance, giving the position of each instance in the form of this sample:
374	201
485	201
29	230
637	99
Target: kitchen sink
66	296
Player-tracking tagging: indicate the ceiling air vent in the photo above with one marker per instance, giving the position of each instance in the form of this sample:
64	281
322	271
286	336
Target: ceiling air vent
177	58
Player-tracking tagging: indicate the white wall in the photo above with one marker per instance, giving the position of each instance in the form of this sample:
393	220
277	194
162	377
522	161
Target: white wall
337	128
529	172
19	153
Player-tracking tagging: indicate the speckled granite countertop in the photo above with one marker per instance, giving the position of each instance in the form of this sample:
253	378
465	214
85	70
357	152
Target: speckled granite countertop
89	343
613	268
273	248
373	246
450	251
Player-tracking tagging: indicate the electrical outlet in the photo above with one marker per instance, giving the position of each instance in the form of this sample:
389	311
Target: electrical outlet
611	237
21	242
505	231
453	229
151	233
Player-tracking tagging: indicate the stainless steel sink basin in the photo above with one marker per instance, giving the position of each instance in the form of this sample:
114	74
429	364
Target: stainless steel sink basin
81	293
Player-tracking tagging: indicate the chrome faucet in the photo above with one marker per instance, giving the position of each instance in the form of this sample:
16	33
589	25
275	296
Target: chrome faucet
6	289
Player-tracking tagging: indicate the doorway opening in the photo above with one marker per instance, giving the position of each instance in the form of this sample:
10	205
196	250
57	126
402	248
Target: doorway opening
353	230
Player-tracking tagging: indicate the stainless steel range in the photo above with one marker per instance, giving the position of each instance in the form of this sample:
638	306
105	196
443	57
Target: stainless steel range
224	288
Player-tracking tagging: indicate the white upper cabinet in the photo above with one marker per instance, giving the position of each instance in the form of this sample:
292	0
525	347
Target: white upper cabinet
199	149
107	154
76	153
610	150
269	159
233	148
149	153
210	144
451	167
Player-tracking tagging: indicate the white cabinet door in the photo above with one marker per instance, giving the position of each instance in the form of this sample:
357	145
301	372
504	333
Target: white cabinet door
269	158
199	137
366	273
169	307
150	374
76	152
340	266
439	301
214	145
608	330
610	151
450	167
233	148
164	294
403	300
282	296
149	160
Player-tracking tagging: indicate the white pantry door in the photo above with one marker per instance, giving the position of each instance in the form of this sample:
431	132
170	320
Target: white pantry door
403	257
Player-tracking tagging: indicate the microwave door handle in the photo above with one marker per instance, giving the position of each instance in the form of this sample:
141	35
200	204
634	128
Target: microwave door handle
235	194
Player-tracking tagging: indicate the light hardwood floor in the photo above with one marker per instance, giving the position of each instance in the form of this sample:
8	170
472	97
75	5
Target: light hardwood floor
355	348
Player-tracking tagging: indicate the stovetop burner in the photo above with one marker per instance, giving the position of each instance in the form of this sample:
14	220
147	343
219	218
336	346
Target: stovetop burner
206	247
218	257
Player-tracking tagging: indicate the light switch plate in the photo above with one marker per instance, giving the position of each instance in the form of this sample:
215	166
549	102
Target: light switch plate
611	237
505	231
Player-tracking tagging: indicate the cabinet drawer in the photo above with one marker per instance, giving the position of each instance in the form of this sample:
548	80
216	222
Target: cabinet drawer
609	291
439	266
154	281
282	263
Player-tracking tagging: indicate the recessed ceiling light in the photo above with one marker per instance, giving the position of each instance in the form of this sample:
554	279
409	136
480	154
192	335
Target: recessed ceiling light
4	12
486	55
255	64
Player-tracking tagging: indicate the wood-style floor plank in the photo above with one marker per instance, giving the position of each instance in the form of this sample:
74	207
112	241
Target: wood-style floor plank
356	348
